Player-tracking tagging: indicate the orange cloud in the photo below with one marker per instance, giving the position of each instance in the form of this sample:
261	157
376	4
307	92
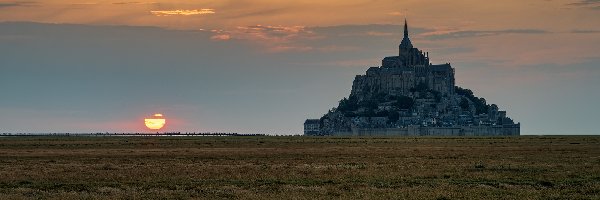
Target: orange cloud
221	37
275	38
396	13
377	33
274	34
203	11
133	3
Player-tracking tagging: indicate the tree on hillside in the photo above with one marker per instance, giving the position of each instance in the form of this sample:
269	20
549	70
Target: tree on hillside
404	102
480	104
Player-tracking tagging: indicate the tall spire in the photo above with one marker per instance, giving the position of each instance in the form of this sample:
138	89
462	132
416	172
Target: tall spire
405	44
405	28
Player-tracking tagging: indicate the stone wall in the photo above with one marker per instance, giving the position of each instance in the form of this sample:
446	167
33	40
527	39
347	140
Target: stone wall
505	130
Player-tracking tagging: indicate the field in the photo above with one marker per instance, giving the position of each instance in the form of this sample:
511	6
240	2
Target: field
299	168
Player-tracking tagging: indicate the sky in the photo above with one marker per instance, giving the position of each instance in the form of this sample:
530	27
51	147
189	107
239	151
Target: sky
264	66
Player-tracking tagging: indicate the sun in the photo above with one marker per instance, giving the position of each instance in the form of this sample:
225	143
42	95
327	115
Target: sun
157	121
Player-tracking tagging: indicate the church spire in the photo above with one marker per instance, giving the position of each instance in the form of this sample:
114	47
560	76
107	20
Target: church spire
405	28
405	45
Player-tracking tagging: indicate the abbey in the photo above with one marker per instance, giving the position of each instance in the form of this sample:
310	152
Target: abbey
399	74
408	95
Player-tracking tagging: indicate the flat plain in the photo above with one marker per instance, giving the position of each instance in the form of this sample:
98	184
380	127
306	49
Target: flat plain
294	167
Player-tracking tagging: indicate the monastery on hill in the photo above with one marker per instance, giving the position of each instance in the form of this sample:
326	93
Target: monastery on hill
407	95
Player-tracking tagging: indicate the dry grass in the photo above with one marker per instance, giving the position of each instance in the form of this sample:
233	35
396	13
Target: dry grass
299	168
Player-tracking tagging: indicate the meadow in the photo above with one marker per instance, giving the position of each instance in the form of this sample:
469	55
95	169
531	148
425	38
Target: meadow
526	167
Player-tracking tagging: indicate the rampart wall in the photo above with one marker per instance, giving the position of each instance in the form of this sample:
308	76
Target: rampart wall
505	130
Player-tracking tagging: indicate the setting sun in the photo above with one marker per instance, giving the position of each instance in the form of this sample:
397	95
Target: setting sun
157	121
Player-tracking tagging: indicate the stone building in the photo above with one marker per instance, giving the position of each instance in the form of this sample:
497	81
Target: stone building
311	127
399	74
408	95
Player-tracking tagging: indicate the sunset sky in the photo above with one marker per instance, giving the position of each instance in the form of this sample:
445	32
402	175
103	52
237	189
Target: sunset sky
264	66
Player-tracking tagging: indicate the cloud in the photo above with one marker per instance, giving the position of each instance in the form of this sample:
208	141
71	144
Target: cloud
133	3
590	4
585	31
221	37
3	5
449	34
369	30
259	13
17	4
85	4
275	31
113	3
277	38
396	13
274	38
376	33
203	11
585	2
286	48
343	38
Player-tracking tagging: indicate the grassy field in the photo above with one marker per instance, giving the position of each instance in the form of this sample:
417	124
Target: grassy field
299	168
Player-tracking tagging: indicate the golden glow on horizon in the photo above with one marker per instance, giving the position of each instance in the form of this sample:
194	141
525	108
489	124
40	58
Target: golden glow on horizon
182	12
464	15
157	121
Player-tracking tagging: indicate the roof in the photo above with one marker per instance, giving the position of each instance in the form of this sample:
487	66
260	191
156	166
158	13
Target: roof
442	67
